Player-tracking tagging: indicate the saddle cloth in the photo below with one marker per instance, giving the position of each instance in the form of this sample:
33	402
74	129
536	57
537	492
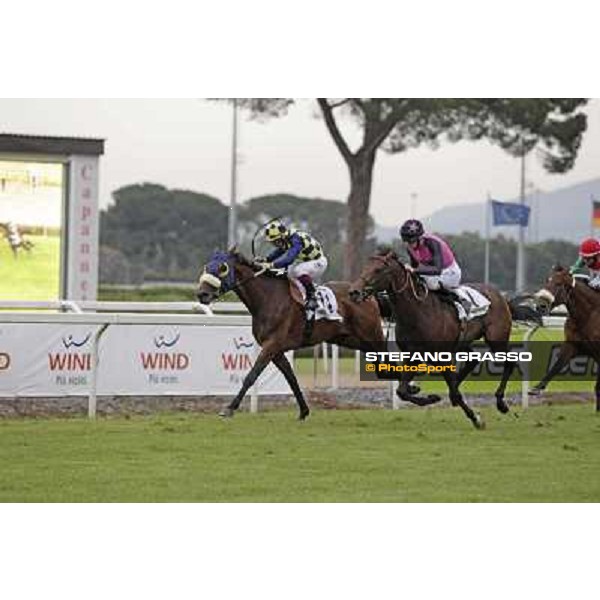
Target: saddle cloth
327	306
479	303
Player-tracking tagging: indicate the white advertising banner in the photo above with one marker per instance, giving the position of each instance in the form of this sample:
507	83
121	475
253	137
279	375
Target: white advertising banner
56	360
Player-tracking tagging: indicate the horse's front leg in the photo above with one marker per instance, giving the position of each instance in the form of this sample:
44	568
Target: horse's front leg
283	364
567	352
457	400
466	369
507	371
410	393
263	359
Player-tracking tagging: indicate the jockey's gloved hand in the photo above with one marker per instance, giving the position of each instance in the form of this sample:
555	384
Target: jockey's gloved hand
264	265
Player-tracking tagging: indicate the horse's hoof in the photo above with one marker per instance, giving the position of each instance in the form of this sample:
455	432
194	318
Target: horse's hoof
479	422
535	391
303	415
433	398
226	413
502	407
411	389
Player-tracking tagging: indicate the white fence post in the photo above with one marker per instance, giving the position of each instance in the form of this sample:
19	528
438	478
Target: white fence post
335	363
254	388
526	374
325	354
393	395
92	397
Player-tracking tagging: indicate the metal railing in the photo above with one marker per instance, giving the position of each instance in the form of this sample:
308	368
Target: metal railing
105	313
103	320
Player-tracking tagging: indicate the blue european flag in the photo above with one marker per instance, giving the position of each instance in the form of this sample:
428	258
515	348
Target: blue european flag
509	213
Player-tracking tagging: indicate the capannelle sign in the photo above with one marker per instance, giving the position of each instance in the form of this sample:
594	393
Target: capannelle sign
79	158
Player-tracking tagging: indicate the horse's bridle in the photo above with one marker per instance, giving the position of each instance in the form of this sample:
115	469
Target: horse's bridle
546	294
408	279
234	286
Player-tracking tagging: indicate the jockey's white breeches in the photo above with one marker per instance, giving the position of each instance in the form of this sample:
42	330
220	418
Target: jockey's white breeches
448	279
313	268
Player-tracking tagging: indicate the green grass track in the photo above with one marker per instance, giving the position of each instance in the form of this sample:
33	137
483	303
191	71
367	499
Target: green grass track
548	454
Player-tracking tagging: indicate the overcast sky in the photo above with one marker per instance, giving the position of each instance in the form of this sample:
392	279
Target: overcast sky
186	144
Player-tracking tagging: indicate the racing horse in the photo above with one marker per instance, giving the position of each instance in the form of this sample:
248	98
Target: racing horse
278	321
582	327
15	239
427	321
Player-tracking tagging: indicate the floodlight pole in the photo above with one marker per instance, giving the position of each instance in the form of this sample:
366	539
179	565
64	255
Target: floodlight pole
232	223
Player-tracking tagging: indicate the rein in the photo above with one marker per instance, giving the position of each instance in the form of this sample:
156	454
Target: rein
415	293
408	281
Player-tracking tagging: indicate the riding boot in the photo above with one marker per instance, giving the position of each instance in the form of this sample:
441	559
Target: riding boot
310	305
311	299
463	301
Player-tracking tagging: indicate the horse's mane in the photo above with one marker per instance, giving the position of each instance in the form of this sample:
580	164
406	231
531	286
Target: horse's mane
384	250
241	259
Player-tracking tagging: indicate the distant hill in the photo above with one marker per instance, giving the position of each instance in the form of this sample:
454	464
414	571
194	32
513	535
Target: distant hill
563	214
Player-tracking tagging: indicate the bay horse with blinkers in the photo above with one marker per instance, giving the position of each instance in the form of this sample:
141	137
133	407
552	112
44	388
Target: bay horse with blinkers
278	321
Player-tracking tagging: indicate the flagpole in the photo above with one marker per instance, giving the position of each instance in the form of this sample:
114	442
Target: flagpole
486	268
593	222
520	279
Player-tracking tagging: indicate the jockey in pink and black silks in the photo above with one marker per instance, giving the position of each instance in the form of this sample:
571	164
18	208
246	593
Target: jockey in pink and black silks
432	258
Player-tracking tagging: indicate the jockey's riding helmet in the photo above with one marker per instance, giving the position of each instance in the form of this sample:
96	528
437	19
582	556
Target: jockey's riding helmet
412	230
276	230
589	247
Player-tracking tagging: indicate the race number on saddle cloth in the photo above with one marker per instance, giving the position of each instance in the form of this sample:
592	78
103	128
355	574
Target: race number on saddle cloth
589	258
302	256
433	260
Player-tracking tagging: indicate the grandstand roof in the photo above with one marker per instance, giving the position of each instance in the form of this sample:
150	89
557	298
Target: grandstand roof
38	144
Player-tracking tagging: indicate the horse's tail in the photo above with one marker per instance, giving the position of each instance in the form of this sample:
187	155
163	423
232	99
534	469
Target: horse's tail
525	313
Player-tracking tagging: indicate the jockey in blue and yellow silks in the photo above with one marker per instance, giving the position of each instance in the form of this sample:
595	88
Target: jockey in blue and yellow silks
300	254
